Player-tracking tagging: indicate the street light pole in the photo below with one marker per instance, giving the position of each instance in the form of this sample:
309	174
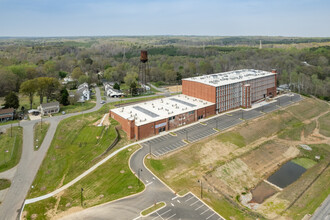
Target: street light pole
139	170
186	134
200	181
81	197
149	148
217	123
11	130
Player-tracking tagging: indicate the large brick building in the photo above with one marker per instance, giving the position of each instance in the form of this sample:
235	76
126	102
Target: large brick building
145	119
202	96
233	89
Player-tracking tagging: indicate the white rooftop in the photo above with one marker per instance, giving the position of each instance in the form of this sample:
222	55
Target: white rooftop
230	77
159	109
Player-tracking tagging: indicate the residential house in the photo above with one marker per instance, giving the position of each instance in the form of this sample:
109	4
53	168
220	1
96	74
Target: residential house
6	114
83	92
49	108
111	92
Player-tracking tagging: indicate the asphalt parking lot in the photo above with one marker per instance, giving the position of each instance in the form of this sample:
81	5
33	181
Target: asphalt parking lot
168	143
187	207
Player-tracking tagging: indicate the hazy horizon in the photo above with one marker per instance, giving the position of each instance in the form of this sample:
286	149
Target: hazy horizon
102	18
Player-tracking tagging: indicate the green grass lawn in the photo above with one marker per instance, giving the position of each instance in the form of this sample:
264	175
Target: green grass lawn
114	180
77	142
325	125
10	148
304	162
4	184
40	131
232	137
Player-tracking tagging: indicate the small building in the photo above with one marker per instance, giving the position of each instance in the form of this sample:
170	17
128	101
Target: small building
49	108
6	114
145	119
83	92
111	92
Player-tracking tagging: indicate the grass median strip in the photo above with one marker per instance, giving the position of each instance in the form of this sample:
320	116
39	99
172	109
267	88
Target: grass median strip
40	131
10	148
4	184
111	181
153	208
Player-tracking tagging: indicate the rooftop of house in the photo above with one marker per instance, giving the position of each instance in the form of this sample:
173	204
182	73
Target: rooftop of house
158	109
230	77
50	105
6	111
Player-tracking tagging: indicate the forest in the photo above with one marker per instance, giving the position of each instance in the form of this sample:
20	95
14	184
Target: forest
302	63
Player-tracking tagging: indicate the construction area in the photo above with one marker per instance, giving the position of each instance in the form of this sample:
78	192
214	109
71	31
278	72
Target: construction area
242	169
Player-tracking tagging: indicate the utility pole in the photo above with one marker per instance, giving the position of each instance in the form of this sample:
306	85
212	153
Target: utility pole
40	122
11	130
149	148
200	181
139	170
81	197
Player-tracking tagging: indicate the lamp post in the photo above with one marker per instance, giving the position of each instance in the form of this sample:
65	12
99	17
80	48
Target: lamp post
200	181
186	135
242	114
149	148
139	173
216	120
81	197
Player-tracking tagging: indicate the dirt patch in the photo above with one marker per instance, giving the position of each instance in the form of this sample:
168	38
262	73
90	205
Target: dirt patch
68	212
106	121
261	192
267	158
177	88
214	151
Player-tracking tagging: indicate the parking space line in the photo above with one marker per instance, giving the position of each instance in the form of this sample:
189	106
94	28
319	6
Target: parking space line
189	198
205	211
165	212
210	216
199	207
194	202
171	216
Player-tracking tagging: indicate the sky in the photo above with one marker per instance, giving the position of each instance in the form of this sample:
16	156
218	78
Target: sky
46	18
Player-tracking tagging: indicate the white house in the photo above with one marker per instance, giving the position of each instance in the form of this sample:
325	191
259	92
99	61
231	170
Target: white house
49	108
83	92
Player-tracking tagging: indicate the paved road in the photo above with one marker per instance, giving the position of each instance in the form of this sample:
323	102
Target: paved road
323	212
156	191
30	162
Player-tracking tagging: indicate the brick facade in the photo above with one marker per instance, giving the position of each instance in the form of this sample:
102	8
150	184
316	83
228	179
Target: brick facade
147	130
199	90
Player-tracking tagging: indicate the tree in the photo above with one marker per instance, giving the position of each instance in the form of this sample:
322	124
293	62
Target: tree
52	86
28	88
133	88
62	74
116	86
64	97
41	86
131	78
82	79
11	101
7	82
76	73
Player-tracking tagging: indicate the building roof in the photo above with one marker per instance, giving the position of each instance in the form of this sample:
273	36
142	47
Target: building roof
7	112
230	77
159	109
50	105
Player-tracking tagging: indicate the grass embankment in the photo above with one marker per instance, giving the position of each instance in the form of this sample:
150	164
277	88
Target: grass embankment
153	208
40	131
312	187
77	142
114	180
304	162
202	159
4	184
324	125
76	145
10	148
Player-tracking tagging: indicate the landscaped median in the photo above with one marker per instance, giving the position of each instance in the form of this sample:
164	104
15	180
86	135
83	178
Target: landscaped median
110	181
153	208
10	148
40	131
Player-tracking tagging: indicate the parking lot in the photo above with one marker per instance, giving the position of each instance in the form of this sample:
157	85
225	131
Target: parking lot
187	207
168	143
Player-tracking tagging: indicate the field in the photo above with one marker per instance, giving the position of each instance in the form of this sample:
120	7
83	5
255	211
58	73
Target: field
76	146
10	148
234	162
77	142
114	180
40	131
